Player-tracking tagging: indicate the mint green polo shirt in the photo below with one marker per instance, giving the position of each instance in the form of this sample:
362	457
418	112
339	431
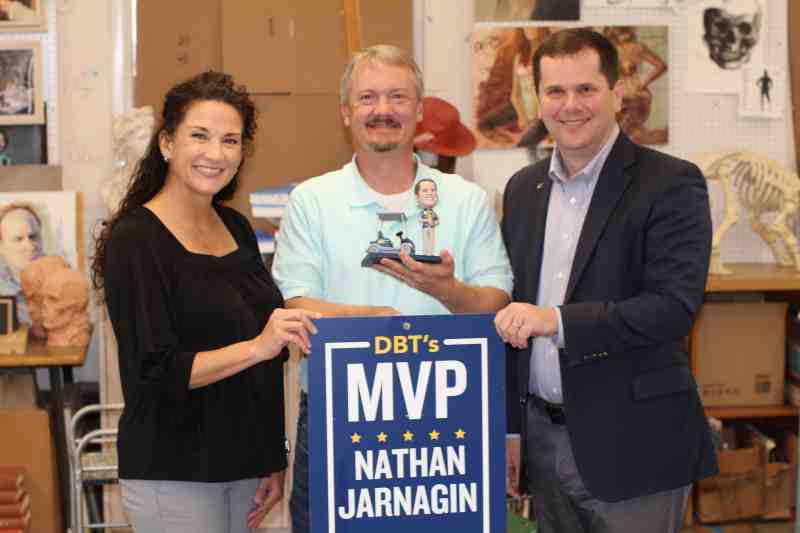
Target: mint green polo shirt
331	219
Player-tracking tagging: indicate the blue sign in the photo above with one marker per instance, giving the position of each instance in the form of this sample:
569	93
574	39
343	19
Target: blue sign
407	425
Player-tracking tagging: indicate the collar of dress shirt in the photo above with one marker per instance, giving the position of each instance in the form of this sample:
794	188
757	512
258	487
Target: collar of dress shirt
591	171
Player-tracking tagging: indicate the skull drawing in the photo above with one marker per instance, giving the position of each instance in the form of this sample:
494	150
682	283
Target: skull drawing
731	31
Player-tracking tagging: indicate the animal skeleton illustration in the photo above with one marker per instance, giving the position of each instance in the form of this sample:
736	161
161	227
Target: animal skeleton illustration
762	186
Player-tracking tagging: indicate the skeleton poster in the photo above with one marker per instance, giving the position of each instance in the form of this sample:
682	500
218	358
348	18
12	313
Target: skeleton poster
725	36
763	91
505	103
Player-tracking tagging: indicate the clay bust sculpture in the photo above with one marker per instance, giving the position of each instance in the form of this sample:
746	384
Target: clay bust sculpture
131	133
65	299
31	279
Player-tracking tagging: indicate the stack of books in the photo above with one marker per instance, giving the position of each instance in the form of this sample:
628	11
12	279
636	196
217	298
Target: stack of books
15	503
270	202
266	242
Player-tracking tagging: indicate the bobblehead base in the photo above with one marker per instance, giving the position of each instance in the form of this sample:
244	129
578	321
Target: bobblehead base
373	258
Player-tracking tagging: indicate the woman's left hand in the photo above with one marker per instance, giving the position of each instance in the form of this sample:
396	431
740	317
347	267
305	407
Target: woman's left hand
268	493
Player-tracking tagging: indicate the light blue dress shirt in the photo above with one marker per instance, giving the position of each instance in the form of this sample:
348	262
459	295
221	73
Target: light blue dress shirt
566	212
331	219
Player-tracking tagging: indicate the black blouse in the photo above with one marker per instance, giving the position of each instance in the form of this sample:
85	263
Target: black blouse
166	304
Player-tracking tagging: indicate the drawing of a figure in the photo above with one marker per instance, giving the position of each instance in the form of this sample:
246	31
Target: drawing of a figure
765	84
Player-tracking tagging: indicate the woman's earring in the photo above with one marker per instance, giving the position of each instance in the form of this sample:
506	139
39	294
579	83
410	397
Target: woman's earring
166	159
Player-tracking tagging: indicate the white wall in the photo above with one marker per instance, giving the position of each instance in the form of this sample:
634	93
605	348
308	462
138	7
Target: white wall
698	122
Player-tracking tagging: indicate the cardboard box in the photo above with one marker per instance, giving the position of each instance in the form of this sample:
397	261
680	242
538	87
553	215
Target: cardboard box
387	23
285	46
298	137
738	353
738	490
177	39
30	444
780	482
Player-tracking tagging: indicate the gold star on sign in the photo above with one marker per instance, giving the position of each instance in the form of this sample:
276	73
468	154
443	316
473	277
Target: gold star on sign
434	435
459	434
355	438
408	435
382	436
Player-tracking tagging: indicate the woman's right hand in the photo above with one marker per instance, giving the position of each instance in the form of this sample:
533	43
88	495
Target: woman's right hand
285	326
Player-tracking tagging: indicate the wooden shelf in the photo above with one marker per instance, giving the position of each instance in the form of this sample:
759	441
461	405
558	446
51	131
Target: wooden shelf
38	354
758	277
752	411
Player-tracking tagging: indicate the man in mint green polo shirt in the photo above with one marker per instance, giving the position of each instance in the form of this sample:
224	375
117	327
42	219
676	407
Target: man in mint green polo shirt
332	218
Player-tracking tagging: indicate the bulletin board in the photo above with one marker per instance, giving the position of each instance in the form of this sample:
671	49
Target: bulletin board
698	122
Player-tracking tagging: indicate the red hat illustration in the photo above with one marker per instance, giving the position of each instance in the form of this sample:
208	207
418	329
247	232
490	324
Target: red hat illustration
440	131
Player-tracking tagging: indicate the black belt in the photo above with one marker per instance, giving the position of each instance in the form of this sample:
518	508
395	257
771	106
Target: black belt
555	413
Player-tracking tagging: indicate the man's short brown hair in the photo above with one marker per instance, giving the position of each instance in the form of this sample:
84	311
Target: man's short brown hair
571	41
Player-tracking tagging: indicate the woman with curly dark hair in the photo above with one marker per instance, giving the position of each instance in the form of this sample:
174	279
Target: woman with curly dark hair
199	323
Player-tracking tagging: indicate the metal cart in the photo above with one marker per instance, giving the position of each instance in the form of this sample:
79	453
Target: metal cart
89	467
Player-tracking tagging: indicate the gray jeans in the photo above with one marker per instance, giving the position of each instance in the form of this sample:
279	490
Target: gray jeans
188	507
562	504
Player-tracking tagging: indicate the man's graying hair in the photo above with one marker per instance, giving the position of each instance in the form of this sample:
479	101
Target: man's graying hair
385	54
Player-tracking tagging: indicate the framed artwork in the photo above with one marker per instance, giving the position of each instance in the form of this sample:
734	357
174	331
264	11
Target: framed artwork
52	226
21	100
32	225
520	10
506	107
23	145
22	15
724	38
763	91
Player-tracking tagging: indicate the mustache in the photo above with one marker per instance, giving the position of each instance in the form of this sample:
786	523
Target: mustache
383	120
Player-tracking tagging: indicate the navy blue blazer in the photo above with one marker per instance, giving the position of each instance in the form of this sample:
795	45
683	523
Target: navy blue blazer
634	416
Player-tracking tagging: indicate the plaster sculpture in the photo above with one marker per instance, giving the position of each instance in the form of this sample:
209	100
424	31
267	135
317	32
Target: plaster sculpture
761	186
131	133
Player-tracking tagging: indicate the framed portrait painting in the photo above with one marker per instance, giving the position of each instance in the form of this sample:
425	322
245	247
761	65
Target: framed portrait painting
33	225
23	145
21	100
22	15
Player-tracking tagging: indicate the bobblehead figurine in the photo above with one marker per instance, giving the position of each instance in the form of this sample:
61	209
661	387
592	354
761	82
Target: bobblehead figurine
427	197
384	248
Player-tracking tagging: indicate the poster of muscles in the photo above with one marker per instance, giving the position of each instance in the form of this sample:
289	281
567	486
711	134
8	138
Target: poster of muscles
724	37
505	103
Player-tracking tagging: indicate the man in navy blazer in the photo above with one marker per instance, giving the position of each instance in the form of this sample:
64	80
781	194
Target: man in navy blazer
609	244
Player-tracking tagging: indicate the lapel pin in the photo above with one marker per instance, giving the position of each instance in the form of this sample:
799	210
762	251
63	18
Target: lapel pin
539	186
